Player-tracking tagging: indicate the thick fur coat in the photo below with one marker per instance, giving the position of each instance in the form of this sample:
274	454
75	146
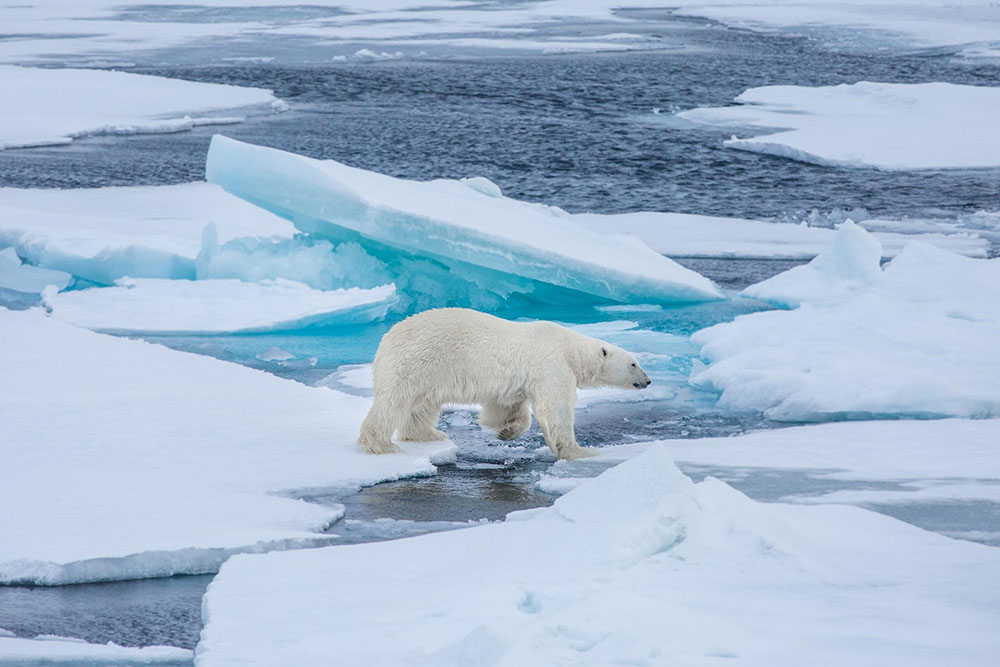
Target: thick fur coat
455	355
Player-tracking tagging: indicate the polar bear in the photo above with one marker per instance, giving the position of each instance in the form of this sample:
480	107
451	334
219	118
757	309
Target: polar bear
456	355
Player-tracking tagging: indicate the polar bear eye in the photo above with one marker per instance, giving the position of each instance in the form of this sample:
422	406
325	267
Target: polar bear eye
633	365
604	351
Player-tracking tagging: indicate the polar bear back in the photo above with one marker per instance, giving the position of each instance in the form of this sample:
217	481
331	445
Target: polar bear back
458	355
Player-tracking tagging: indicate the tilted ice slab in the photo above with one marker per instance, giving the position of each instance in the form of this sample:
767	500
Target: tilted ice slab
481	238
43	107
638	566
691	235
20	277
51	650
124	459
883	125
104	234
916	338
216	306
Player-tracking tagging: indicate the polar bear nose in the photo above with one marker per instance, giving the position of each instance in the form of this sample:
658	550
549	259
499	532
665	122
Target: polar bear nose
642	385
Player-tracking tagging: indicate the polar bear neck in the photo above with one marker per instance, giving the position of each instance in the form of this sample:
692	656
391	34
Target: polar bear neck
584	358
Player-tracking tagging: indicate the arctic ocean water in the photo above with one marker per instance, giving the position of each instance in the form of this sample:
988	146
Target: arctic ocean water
574	131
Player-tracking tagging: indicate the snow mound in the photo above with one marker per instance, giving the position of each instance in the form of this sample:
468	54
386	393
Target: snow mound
24	278
104	234
883	125
127	460
448	241
690	235
917	338
638	566
150	305
44	107
49	650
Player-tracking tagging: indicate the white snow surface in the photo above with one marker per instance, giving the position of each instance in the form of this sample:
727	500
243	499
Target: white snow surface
216	306
103	234
50	650
692	235
638	566
43	107
125	459
893	126
452	221
916	338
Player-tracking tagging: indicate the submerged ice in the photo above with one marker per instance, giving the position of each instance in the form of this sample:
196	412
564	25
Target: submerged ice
451	242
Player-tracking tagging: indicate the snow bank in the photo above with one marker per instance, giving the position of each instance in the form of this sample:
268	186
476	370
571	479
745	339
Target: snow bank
638	566
27	279
449	240
104	234
43	107
883	125
216	306
918	338
690	235
128	460
50	650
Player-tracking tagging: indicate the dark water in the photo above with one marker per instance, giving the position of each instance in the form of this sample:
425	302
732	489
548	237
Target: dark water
573	131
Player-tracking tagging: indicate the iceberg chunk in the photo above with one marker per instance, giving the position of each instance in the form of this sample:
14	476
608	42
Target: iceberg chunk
917	338
125	460
866	124
150	305
24	278
637	566
450	240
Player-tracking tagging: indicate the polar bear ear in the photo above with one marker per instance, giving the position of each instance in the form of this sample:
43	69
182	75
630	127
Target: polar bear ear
604	351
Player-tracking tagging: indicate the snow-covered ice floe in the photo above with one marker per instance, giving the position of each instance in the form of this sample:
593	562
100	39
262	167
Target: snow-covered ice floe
691	235
49	650
124	459
916	338
967	27
103	234
638	566
882	125
43	107
453	241
216	306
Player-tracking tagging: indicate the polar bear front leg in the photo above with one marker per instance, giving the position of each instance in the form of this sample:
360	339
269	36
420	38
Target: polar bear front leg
554	413
420	424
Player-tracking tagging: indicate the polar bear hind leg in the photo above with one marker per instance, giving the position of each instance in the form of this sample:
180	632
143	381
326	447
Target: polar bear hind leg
378	427
509	421
419	425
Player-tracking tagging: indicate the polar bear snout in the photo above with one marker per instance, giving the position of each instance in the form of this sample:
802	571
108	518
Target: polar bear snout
642	384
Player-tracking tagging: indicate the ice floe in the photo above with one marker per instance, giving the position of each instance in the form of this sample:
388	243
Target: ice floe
148	305
103	234
43	107
128	460
47	650
639	565
917	338
884	125
691	235
20	277
448	242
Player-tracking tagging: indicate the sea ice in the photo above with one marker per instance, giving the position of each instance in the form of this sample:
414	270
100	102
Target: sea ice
884	125
103	234
691	235
448	242
151	305
917	338
27	279
124	459
638	566
42	107
45	651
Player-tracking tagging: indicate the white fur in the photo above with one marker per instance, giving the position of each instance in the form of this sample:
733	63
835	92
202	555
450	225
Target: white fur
455	355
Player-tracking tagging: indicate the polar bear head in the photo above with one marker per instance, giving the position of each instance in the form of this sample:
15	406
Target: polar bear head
620	369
